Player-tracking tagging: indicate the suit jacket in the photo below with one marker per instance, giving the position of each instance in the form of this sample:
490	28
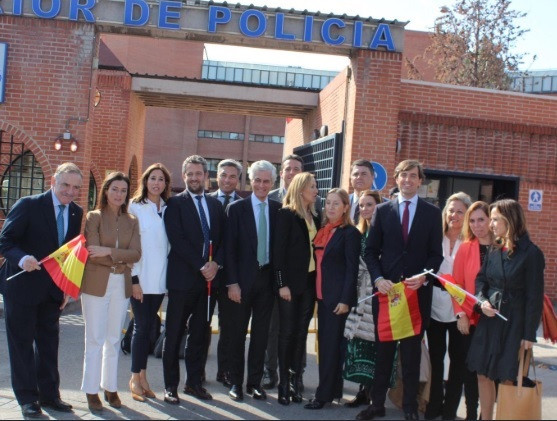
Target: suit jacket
387	256
292	250
235	196
30	229
104	228
339	267
183	227
241	242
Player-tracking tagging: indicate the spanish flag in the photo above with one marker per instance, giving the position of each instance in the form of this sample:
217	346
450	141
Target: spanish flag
462	297
399	314
65	266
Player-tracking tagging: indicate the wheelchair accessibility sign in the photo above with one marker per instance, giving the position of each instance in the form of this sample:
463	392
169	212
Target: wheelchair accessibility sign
535	199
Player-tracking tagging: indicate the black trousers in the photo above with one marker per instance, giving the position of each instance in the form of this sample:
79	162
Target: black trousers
295	316
184	305
225	328
332	349
410	354
271	353
144	314
471	393
256	304
446	405
34	369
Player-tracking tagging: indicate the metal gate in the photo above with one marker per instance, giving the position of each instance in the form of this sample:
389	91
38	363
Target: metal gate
323	158
21	175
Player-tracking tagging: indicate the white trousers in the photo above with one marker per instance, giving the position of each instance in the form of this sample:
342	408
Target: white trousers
104	318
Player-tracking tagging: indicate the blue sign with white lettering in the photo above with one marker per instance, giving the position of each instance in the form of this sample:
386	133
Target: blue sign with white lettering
380	180
535	200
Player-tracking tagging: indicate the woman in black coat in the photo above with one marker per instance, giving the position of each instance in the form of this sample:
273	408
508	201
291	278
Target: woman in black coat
337	251
294	264
510	282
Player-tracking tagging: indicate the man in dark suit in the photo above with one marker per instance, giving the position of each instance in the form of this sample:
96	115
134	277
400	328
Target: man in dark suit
194	225
35	227
228	175
249	232
404	239
362	176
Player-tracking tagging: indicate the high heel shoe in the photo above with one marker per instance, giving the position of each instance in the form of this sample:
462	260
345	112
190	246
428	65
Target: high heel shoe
113	399
147	392
137	392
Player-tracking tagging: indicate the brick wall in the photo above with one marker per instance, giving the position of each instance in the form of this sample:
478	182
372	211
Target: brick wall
48	82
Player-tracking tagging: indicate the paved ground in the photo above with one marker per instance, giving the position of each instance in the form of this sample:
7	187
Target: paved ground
71	356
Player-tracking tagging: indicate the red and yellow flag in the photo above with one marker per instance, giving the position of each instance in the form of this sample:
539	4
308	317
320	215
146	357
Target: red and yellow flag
66	265
463	298
399	314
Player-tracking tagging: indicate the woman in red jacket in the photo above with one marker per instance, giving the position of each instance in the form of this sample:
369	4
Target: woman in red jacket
477	238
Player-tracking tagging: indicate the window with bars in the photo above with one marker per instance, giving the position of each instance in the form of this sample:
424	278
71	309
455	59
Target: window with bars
21	173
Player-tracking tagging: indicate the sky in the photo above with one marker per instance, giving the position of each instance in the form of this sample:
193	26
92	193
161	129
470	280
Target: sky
421	14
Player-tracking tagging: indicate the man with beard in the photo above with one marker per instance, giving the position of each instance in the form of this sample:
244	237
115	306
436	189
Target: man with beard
194	225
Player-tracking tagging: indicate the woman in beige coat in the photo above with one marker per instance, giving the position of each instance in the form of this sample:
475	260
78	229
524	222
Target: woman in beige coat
113	243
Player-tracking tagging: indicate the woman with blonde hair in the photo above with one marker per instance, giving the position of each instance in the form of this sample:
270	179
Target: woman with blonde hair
149	273
294	264
113	243
444	400
511	283
337	250
477	238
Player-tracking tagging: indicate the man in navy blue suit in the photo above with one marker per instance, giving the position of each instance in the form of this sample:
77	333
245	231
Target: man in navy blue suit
194	225
35	227
249	235
404	239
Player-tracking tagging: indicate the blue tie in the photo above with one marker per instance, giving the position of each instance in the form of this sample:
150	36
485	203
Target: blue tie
204	227
60	224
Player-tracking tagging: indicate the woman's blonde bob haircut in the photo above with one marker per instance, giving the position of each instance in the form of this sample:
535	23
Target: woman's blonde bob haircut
293	199
346	220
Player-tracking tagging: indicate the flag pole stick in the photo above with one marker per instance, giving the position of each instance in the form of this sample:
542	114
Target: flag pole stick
209	284
430	272
23	271
425	272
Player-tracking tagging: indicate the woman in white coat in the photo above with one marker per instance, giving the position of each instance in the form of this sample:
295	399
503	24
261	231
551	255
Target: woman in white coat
149	274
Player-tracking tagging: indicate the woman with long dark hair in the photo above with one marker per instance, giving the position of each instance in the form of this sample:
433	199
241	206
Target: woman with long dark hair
510	282
294	264
149	273
113	243
477	238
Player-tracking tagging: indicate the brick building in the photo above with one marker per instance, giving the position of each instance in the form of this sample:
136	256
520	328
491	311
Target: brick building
72	80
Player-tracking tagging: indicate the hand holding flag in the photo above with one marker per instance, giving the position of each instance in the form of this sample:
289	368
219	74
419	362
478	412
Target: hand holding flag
465	299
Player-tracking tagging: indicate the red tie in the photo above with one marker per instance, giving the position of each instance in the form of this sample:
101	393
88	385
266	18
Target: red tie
405	221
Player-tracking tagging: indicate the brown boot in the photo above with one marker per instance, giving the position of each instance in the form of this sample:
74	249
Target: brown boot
112	399
94	403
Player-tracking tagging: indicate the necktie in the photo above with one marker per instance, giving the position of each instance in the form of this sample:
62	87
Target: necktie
405	221
60	224
262	236
204	227
357	213
226	201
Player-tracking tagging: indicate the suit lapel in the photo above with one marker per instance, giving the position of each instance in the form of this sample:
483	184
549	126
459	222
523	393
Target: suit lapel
417	217
74	221
49	216
250	222
190	207
332	242
395	212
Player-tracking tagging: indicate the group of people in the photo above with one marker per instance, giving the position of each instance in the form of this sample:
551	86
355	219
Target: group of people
270	261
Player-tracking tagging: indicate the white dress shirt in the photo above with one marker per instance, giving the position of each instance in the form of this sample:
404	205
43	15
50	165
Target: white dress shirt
203	203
